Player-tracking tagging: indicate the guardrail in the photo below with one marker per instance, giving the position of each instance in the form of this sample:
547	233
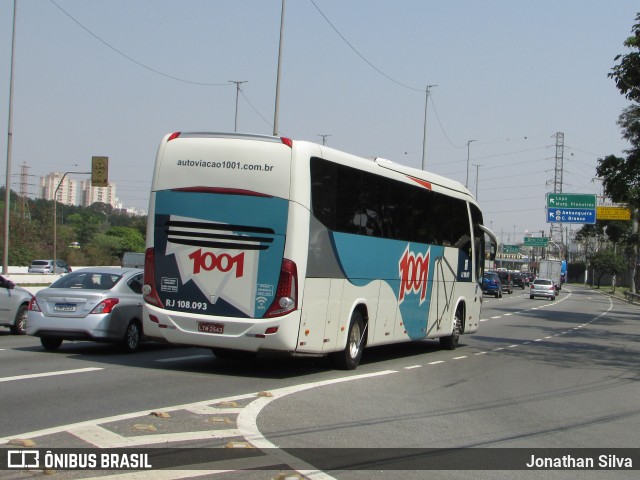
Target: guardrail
632	297
19	276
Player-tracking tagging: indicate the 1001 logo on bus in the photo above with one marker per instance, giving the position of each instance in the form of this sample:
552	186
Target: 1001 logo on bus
414	274
224	262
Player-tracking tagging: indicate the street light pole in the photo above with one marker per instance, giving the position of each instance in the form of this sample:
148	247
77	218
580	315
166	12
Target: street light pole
277	108
424	136
55	217
466	183
237	82
7	192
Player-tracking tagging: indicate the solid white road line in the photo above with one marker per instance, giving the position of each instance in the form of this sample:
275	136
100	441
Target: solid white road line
49	374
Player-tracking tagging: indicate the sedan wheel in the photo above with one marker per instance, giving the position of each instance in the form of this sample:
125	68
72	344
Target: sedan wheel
132	337
20	325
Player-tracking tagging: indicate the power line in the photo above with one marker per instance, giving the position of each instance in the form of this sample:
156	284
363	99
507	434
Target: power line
133	60
442	128
362	56
255	109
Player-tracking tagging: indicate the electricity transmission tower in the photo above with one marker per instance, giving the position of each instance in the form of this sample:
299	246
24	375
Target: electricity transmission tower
556	228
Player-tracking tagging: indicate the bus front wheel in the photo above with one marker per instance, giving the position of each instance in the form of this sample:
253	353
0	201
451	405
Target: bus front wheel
349	358
450	342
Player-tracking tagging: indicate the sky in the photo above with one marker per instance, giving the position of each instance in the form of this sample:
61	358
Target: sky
112	77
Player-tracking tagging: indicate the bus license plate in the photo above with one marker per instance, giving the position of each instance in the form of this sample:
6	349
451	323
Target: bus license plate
64	307
207	327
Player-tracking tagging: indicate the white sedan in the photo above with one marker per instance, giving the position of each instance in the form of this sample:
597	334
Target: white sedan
14	301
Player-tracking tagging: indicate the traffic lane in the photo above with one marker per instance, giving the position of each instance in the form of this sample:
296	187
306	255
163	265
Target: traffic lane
577	363
526	318
577	390
119	391
155	377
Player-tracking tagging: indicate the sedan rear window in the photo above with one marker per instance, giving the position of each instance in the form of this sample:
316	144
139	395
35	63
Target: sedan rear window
542	282
87	281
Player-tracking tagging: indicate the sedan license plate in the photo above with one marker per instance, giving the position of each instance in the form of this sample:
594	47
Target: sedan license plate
64	307
207	327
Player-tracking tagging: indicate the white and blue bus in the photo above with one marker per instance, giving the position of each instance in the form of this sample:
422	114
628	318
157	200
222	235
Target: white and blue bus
264	244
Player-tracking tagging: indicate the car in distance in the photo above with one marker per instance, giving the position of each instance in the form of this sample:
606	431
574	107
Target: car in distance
14	302
46	266
518	279
542	287
99	304
506	280
491	284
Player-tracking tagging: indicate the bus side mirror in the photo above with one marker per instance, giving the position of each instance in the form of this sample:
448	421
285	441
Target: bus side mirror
493	249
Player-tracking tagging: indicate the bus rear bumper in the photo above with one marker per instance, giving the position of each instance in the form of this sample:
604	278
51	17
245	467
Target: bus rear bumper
246	334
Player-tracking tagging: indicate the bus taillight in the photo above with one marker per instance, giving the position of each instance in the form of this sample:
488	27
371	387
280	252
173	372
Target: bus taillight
287	292
149	288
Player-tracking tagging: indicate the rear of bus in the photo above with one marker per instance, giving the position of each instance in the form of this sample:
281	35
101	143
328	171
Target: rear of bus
216	274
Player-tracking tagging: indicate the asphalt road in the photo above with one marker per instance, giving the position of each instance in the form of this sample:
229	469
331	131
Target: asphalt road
538	374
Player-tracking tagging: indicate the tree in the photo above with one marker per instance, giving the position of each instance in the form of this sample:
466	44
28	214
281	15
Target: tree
86	224
607	262
627	73
621	176
103	250
129	240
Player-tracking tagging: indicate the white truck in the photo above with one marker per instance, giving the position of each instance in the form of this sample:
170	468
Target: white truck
551	269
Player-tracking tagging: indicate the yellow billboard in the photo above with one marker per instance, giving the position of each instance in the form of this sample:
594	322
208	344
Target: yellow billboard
612	213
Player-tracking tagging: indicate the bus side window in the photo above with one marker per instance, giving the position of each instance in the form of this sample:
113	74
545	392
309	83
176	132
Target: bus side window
366	217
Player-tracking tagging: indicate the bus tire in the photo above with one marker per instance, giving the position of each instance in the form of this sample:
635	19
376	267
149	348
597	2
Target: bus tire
349	358
450	342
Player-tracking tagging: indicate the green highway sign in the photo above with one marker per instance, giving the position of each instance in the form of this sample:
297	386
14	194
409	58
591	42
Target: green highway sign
536	241
571	200
510	249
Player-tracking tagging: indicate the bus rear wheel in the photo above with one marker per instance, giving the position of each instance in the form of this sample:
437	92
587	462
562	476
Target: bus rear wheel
349	358
450	342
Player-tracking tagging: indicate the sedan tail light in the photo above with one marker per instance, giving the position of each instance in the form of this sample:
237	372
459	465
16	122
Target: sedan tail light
106	306
33	305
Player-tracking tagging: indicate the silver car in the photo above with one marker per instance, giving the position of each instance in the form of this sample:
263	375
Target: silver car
542	287
14	302
98	304
46	266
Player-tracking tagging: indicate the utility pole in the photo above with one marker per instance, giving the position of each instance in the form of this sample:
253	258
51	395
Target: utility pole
324	137
237	82
466	183
477	174
424	136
